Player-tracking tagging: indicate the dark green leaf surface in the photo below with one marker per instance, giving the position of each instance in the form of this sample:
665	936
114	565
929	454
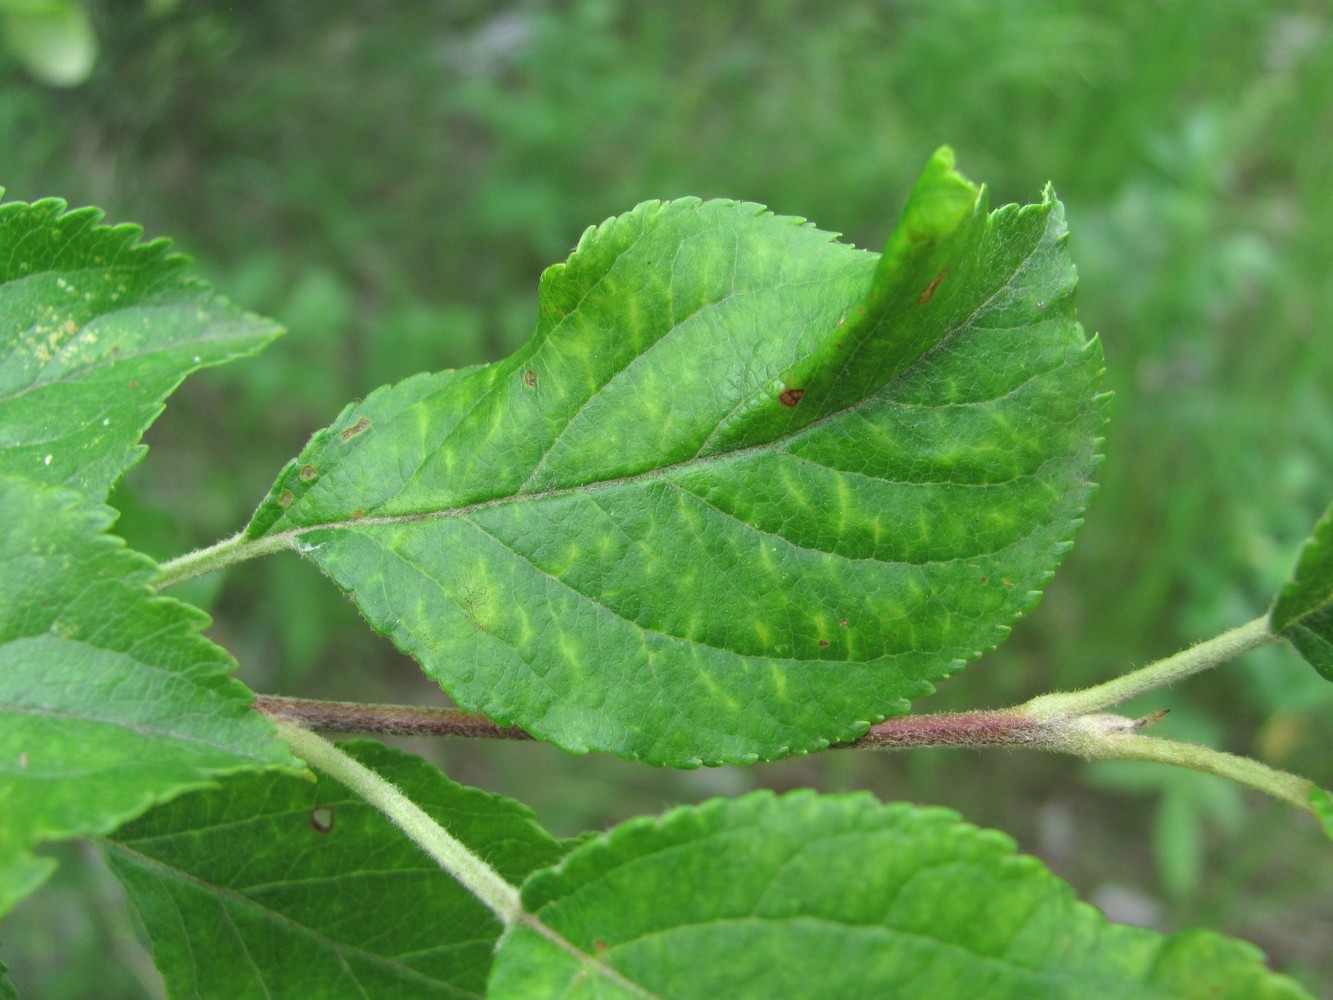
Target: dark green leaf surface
803	896
110	700
300	889
7	991
744	492
96	330
1303	612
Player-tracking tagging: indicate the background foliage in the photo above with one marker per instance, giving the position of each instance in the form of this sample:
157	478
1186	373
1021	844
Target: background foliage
389	183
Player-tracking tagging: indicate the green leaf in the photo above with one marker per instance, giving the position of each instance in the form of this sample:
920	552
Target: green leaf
96	330
53	39
839	896
745	491
302	889
7	991
1303	612
1322	802
110	700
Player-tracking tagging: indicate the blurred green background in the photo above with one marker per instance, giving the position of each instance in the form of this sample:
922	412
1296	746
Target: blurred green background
389	181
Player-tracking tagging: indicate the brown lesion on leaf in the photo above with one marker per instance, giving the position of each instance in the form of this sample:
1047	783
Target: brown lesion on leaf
357	514
823	644
285	498
308	473
929	290
321	819
530	379
355	429
790	397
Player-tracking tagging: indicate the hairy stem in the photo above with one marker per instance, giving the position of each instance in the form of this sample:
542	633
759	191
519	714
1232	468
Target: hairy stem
1199	657
1115	743
225	553
384	720
452	854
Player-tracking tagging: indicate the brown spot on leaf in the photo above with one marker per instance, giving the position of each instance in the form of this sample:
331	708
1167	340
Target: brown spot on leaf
355	429
285	498
790	397
530	379
321	819
308	473
359	513
598	945
823	644
843	623
929	290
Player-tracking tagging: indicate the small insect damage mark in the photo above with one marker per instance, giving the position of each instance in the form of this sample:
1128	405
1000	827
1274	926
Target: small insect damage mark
530	379
929	290
321	819
285	498
790	397
843	623
355	429
308	472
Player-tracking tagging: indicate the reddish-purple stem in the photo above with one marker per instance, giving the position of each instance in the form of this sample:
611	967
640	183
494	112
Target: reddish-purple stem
1005	727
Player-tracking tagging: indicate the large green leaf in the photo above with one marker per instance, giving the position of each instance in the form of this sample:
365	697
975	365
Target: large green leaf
110	700
744	492
1303	612
96	330
301	889
841	896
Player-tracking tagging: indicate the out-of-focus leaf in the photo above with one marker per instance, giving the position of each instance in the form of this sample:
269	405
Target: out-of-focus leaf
1303	612
7	991
96	330
840	896
53	39
301	889
744	492
110	700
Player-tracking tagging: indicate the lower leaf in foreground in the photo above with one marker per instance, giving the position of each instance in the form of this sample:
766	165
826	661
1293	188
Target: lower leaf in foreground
110	699
301	889
840	896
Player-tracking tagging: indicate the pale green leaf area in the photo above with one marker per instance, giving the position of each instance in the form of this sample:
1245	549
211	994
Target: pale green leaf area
840	896
96	330
746	490
301	889
110	700
1303	612
53	39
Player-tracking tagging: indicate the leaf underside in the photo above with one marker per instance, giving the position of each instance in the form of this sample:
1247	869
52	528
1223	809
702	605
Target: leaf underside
1303	612
96	330
303	890
746	490
110	700
840	896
